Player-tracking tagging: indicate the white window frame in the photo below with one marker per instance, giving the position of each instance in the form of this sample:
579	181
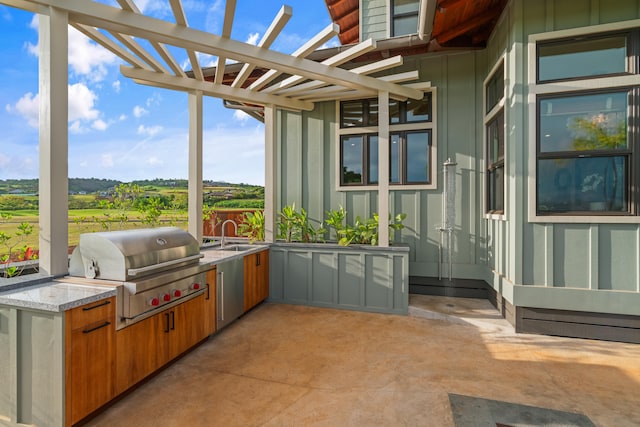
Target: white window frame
536	89
392	128
488	117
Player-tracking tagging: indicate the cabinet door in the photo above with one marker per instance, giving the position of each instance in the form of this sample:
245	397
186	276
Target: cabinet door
186	326
210	303
137	354
256	279
90	358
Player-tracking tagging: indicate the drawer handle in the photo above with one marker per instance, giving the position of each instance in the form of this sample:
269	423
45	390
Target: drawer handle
86	331
107	302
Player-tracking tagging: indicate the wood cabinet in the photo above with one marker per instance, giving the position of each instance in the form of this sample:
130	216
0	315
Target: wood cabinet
149	344
256	279
89	358
210	312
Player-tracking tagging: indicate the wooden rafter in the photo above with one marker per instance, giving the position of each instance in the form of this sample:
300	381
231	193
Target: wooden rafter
469	25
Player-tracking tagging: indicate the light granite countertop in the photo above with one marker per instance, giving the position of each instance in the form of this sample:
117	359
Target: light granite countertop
55	296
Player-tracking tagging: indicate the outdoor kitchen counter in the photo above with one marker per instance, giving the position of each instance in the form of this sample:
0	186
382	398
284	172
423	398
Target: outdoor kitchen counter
55	296
213	255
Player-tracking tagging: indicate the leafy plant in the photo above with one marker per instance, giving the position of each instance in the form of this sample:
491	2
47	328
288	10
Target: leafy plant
295	226
362	231
252	226
13	251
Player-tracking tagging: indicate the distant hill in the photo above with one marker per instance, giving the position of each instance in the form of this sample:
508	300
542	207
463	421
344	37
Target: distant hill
93	185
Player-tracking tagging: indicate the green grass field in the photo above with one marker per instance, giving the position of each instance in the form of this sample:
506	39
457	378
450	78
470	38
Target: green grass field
82	221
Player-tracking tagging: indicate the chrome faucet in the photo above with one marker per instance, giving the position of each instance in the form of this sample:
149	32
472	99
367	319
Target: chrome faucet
235	226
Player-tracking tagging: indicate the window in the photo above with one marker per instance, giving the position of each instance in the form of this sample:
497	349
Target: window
494	141
410	142
405	17
586	133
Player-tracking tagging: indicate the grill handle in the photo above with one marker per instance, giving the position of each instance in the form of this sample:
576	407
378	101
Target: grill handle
136	271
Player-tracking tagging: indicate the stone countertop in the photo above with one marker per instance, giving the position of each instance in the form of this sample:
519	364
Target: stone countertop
55	296
214	255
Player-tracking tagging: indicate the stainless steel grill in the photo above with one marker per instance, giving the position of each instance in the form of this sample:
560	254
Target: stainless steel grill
152	269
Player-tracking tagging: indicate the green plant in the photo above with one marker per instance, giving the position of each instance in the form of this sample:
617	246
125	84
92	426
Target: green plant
252	226
361	232
13	251
295	226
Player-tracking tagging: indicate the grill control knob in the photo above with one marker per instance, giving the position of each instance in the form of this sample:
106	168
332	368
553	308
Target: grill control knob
195	286
154	302
166	297
177	293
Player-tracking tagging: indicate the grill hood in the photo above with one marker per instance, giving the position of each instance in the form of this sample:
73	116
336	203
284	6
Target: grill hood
132	254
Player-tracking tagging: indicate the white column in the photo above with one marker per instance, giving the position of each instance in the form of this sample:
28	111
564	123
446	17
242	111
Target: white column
195	165
383	169
270	181
54	147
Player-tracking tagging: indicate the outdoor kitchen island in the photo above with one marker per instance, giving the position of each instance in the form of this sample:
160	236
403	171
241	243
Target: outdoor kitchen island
66	353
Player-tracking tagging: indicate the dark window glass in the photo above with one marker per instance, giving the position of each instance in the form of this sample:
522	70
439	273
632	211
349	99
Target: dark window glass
419	110
359	113
574	58
584	153
417	157
583	122
583	184
351	154
352	114
495	193
394	111
373	159
394	171
405	17
495	89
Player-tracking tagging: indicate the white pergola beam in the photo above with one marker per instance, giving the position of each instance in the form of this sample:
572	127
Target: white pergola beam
318	40
229	12
109	44
152	78
181	19
132	45
194	191
334	61
366	69
281	19
118	20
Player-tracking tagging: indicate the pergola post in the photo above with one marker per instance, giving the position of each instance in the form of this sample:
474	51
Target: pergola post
383	169
195	166
54	147
270	181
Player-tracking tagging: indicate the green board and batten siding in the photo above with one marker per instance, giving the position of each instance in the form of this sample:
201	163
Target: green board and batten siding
373	20
581	267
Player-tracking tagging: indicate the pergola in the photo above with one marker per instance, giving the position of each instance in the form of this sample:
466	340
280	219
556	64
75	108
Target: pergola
290	82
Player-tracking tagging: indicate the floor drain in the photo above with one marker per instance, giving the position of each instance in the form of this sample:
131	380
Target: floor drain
450	305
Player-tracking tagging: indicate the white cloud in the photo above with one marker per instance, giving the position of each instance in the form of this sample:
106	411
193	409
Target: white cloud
241	116
100	125
154	100
29	108
76	128
116	86
138	111
122	117
253	38
88	59
149	131
81	103
81	108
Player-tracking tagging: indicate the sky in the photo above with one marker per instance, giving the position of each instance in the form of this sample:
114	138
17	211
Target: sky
125	131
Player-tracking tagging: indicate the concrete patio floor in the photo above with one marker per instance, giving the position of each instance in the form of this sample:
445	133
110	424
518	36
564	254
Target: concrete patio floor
285	365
